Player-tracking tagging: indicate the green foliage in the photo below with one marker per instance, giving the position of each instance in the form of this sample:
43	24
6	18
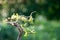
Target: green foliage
45	30
8	32
40	29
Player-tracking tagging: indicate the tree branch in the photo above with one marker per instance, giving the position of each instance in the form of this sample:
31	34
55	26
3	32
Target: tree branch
19	28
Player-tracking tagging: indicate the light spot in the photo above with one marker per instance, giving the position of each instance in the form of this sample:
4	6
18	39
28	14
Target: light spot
41	27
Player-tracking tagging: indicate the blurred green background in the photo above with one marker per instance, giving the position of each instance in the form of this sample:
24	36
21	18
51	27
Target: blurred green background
46	19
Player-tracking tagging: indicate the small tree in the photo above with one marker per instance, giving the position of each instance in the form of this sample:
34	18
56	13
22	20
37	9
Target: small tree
20	21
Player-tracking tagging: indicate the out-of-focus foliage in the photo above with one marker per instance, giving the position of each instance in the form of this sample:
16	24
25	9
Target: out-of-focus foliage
44	28
8	32
49	8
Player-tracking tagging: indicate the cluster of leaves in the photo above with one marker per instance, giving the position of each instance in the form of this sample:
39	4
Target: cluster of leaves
24	21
